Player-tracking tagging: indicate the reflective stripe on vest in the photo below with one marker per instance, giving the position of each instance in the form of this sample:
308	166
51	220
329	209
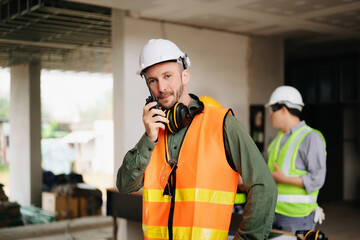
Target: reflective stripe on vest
292	201
291	152
205	184
155	232
187	195
296	198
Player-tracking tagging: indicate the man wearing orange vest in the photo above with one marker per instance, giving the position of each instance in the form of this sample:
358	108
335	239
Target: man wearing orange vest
297	160
189	159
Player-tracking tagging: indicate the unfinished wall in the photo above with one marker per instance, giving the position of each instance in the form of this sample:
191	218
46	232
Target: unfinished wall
266	72
351	153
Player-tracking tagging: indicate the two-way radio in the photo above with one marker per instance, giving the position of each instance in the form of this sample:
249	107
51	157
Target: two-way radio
151	98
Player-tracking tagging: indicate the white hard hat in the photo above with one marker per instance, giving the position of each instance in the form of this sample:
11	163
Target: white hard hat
287	95
161	50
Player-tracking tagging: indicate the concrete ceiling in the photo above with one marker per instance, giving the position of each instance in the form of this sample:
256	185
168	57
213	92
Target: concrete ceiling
310	20
66	34
61	35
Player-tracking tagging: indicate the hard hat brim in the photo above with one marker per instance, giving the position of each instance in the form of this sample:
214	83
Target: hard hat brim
140	71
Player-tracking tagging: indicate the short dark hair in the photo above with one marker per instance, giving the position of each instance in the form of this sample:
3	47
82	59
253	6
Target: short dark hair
293	111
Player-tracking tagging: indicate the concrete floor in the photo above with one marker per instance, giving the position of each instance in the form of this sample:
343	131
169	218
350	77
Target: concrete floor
87	228
342	222
104	233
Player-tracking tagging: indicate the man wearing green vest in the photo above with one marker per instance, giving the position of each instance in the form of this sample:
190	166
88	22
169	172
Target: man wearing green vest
297	161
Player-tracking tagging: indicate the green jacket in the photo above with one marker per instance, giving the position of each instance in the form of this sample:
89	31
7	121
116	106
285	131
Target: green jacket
243	156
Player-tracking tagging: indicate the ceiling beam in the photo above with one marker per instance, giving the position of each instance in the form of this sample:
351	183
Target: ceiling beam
57	45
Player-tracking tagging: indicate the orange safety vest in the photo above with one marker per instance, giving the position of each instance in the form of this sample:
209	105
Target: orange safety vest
205	184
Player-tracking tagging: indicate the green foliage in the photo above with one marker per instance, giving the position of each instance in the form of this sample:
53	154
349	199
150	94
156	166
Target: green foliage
55	130
4	168
4	108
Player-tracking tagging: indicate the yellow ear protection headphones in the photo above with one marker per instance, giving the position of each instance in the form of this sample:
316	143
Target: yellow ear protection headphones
179	115
311	235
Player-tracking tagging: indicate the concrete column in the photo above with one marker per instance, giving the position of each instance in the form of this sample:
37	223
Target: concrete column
266	72
127	229
118	87
25	134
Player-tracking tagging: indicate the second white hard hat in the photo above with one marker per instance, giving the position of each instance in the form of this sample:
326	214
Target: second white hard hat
287	95
161	50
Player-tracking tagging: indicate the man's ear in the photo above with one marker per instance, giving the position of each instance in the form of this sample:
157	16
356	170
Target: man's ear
185	77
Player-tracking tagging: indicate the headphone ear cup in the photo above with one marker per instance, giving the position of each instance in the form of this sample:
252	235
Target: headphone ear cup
314	235
182	115
171	125
178	117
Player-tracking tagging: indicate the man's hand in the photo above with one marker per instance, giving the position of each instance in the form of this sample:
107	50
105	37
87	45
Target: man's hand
319	215
153	120
278	175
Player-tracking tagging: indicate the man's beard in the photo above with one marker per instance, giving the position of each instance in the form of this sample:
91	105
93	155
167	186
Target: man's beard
177	95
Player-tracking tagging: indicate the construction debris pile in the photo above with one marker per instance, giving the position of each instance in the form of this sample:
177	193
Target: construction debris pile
69	197
10	215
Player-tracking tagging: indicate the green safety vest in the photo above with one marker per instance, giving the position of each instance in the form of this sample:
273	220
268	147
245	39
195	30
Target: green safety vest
292	201
240	198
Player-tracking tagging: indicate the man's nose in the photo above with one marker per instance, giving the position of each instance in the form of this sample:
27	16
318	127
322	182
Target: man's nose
162	85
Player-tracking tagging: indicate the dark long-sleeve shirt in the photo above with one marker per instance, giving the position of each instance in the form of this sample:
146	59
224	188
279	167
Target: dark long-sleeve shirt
242	154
